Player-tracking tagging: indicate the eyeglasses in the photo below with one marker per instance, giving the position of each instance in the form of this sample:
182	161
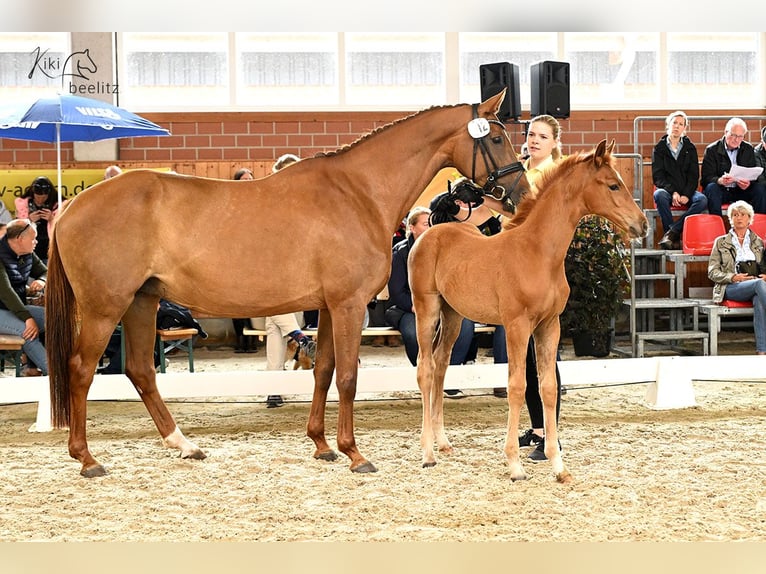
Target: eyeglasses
736	136
27	226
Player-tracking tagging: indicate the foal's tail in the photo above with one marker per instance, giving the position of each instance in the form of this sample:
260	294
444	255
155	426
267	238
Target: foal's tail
61	329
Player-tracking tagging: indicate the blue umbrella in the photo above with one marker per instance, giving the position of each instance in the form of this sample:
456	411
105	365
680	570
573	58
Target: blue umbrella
66	118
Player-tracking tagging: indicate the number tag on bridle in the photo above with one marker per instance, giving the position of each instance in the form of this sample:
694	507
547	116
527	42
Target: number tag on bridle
478	128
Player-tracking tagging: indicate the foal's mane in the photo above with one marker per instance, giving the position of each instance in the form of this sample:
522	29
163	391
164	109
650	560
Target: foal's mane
380	129
560	170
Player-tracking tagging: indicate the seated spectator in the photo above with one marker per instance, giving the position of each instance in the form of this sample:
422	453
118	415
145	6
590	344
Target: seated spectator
720	187
39	204
675	173
245	343
464	195
5	215
279	327
112	171
760	157
401	316
737	268
22	270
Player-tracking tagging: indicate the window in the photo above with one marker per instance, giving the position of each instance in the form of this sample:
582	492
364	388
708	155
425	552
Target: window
165	70
395	69
31	64
708	69
287	69
617	69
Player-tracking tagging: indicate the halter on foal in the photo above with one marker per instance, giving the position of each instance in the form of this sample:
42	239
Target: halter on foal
113	255
522	286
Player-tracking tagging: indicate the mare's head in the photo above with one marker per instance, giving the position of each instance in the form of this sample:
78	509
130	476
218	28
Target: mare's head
488	150
600	189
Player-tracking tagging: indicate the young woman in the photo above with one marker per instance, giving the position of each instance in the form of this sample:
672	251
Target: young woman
543	145
39	204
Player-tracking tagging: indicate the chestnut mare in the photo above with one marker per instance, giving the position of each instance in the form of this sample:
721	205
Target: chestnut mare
316	235
517	280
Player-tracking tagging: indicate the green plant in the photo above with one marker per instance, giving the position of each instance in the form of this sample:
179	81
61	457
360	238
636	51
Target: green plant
597	271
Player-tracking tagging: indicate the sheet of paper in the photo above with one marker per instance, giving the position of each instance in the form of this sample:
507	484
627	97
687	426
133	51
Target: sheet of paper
749	173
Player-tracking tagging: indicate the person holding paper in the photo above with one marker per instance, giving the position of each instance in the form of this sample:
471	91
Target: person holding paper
719	184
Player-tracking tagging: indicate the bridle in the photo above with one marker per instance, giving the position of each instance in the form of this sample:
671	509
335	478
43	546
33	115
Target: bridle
479	130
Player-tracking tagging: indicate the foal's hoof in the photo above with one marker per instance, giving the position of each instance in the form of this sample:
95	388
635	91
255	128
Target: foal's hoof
564	477
194	455
328	455
93	471
429	464
365	467
515	477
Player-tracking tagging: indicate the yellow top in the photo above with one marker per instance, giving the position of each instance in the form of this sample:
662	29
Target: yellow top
533	174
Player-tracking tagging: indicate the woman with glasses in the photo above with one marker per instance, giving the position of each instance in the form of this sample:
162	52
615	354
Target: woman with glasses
39	205
718	185
22	272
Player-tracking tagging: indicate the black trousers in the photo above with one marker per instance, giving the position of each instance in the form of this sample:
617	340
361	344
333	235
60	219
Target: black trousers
532	394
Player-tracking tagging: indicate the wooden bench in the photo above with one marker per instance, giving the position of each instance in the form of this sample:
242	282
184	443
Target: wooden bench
10	348
169	339
368	332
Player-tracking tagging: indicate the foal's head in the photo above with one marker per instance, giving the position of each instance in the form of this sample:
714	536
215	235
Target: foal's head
588	183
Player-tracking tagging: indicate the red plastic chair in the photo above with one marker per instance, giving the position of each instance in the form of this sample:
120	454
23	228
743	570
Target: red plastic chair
758	225
733	304
700	232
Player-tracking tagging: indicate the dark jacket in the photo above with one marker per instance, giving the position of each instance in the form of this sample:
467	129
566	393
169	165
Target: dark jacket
398	284
676	175
716	161
15	272
760	161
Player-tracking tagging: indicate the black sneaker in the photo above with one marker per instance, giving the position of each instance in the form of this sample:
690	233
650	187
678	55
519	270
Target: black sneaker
538	454
529	438
309	347
454	394
274	401
500	392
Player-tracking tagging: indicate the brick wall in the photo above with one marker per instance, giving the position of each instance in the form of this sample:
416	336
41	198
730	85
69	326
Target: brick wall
242	138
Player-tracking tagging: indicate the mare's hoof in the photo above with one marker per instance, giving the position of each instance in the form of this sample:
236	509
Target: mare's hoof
564	477
328	455
519	477
365	467
195	455
429	464
93	471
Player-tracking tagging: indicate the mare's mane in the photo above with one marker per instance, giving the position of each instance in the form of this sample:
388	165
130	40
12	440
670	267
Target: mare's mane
380	129
546	180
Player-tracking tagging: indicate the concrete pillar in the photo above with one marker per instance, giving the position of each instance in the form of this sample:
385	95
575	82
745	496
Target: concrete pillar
97	80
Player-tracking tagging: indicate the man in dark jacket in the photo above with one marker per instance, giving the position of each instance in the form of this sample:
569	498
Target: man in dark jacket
401	315
675	173
719	186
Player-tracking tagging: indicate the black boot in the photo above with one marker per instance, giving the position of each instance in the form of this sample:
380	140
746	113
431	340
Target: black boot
670	240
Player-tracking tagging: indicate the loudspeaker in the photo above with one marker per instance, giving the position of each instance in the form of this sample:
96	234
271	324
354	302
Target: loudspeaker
493	78
550	89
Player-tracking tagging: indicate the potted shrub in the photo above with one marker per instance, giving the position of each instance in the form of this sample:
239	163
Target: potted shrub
597	271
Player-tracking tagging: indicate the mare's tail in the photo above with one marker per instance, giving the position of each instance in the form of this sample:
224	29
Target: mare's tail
61	329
